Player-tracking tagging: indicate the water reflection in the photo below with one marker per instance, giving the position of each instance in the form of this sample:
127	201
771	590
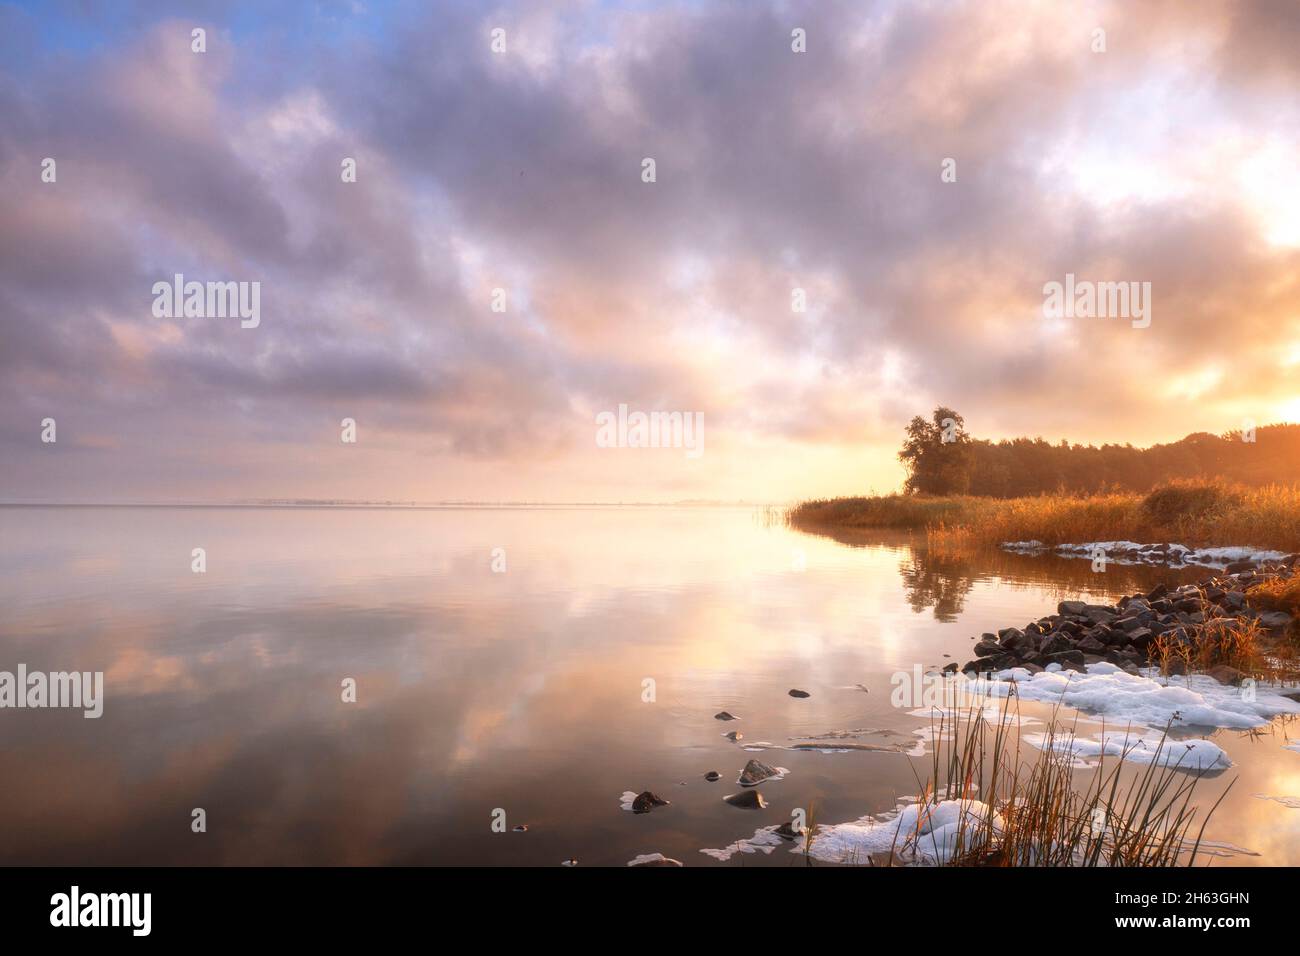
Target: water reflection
477	690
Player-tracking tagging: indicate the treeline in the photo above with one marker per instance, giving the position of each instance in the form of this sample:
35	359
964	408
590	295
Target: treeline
942	459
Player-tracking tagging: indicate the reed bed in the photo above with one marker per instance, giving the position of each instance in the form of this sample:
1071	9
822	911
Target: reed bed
1124	815
1194	513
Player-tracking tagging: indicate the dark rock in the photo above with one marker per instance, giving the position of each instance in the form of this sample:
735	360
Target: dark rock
734	736
646	801
1157	592
756	772
712	776
1236	567
1275	620
1067	657
1071	607
950	668
1055	645
747	800
1227	675
800	693
988	649
786	831
723	715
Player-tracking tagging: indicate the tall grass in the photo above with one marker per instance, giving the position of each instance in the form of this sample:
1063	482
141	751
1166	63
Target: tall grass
1139	816
1194	513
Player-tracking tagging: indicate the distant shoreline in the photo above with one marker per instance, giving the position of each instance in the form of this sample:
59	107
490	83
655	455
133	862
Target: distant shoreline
1195	513
308	505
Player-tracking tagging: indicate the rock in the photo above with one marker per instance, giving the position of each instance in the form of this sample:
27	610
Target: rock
1055	645
800	693
756	772
1177	667
786	831
1227	675
950	668
712	776
1067	657
1099	613
1275	620
1157	592
723	715
1071	607
734	736
746	800
1091	645
1235	599
987	649
1236	567
1032	668
646	801
1140	637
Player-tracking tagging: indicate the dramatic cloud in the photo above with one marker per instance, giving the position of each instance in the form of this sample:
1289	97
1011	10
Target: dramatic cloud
1169	158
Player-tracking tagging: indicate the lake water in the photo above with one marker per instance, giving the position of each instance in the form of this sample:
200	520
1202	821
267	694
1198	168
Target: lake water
520	690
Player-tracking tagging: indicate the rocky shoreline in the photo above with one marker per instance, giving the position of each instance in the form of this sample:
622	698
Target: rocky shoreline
1128	633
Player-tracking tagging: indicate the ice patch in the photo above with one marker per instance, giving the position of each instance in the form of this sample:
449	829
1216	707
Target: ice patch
1292	802
1131	552
918	834
1195	754
1146	700
764	840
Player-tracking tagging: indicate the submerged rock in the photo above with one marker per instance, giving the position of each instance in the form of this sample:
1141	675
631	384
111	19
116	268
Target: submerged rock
746	800
723	715
712	776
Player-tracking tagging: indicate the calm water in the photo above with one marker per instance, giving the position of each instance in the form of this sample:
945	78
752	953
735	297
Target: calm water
478	690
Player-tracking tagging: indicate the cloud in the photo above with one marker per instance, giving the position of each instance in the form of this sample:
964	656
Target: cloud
521	171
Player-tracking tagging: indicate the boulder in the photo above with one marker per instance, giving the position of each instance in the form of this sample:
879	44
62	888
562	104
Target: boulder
645	801
1227	675
756	772
746	800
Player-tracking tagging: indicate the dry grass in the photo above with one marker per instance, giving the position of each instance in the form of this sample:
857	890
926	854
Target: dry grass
1196	514
1140	816
1236	642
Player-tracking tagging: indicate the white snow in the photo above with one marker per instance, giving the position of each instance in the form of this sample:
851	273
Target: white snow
1193	754
1217	558
1147	700
932	841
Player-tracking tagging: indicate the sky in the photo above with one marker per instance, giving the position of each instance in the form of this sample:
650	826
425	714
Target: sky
1160	150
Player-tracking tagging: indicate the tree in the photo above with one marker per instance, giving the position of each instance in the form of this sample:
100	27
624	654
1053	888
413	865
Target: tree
937	454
